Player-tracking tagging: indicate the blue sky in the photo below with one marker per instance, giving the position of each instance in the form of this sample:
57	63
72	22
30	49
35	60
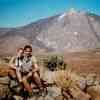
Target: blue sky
14	13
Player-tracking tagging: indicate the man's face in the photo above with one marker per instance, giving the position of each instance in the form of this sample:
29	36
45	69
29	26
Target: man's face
27	52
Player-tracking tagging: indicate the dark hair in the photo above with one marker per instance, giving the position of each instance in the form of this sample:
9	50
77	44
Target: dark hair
28	46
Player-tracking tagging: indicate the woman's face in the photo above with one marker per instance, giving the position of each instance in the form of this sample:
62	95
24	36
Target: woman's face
20	53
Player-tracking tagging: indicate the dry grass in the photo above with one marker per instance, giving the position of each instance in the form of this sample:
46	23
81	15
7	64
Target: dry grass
86	62
4	68
82	62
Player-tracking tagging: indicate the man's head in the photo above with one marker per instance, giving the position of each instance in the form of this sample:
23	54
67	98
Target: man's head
27	50
20	52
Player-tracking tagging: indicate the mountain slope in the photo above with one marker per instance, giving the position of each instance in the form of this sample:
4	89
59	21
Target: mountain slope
68	31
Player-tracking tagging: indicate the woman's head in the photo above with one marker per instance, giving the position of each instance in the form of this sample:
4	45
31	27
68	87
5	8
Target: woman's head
20	52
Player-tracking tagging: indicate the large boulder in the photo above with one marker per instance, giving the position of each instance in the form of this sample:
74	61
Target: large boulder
4	89
94	91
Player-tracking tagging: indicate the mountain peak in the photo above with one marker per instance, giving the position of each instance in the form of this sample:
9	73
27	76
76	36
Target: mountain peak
72	11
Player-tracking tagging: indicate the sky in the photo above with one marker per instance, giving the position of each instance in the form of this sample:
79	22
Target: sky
15	13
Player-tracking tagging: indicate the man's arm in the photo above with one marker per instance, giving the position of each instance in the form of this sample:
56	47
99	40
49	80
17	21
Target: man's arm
35	66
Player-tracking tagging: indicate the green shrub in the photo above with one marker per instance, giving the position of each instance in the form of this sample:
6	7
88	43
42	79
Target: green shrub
55	62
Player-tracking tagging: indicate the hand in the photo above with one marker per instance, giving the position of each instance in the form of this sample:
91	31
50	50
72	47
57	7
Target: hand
35	70
12	66
20	80
29	74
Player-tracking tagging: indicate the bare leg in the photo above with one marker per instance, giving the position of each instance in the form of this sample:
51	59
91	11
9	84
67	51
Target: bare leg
37	79
27	86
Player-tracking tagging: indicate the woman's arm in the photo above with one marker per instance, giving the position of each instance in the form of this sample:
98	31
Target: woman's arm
12	63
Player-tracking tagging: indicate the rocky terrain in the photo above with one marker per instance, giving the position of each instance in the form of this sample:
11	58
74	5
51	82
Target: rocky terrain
69	31
80	80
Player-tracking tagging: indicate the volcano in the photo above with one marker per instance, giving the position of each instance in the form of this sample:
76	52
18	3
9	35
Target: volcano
69	31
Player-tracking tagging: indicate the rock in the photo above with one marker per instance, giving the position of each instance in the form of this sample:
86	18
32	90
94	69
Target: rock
33	98
4	90
49	76
90	79
14	86
54	91
13	83
78	94
41	98
97	82
18	98
7	98
60	97
4	80
66	95
94	91
81	83
48	97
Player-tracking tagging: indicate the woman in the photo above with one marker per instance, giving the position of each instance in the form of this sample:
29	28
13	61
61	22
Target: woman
15	65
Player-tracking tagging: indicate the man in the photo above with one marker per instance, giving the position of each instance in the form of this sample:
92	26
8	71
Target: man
29	70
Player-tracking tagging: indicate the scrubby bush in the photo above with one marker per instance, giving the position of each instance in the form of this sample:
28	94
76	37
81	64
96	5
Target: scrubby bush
54	62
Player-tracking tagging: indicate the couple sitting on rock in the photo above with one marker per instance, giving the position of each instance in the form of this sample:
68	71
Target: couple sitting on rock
24	67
